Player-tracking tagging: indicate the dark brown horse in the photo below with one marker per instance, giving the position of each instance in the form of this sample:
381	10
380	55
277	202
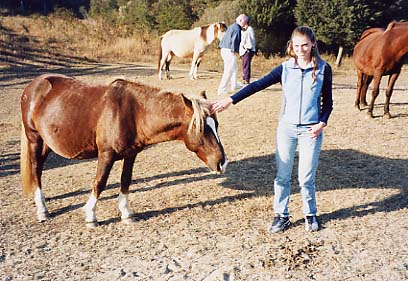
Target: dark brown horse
379	53
113	122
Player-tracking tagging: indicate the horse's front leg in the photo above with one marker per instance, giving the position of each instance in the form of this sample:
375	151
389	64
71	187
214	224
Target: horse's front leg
105	163
126	178
388	94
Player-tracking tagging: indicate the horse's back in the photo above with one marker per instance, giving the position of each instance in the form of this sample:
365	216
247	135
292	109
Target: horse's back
181	42
379	50
366	51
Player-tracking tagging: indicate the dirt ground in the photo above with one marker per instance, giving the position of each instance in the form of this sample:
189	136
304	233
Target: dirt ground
194	225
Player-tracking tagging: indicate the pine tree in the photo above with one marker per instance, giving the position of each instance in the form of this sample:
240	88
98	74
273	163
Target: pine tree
273	22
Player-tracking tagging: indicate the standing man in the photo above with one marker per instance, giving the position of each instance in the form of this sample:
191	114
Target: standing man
247	51
229	47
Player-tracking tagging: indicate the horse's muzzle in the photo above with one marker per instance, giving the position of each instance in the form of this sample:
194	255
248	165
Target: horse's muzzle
222	167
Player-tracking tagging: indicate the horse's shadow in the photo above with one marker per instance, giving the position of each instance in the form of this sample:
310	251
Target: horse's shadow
379	108
338	169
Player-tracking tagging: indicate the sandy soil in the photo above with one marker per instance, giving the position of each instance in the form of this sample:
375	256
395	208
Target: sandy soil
194	225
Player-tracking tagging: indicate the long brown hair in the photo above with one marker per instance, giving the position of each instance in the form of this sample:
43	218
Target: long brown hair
308	32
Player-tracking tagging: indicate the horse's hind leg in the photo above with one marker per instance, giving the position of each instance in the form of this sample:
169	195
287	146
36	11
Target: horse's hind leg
162	64
360	79
167	62
194	66
363	93
38	154
363	80
105	163
126	178
374	94
388	93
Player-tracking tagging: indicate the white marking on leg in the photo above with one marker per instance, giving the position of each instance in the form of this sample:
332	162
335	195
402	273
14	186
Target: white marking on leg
89	209
123	205
42	211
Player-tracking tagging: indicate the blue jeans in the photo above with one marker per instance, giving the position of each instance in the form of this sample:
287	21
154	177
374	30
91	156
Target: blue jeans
289	136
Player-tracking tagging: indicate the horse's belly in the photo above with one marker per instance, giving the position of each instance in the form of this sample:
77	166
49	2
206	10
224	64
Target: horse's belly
69	143
183	53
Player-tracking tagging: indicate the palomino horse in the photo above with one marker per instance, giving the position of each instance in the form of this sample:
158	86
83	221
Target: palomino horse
188	43
379	53
113	122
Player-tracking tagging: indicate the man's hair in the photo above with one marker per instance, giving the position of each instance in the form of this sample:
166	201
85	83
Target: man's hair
242	17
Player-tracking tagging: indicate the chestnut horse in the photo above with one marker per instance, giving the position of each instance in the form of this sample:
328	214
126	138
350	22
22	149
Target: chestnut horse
188	43
111	122
379	53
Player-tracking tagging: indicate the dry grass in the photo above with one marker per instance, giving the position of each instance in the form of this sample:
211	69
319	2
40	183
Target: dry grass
63	41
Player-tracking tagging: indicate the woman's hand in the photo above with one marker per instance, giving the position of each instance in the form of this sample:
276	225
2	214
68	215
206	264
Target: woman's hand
220	105
316	129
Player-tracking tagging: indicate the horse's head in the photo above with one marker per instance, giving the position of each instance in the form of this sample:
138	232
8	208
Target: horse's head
202	136
219	29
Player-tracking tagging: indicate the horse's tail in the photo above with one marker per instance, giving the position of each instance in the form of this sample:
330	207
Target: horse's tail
160	54
25	164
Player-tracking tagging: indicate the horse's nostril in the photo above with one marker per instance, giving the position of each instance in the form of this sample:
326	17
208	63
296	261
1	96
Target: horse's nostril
222	167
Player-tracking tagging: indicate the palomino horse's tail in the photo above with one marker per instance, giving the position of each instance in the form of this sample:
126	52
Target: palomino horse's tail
160	54
25	164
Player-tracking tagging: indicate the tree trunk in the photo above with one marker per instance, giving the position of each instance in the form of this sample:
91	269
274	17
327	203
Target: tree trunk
339	56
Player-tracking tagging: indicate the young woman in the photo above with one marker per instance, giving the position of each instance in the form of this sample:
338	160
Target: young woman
306	81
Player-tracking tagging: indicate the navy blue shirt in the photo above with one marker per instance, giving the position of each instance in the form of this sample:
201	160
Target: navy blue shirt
231	38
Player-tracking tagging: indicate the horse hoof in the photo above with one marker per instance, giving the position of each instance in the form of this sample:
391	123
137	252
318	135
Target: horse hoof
370	115
42	217
387	116
92	224
128	221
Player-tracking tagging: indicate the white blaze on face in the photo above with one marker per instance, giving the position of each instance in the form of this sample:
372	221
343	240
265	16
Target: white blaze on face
211	123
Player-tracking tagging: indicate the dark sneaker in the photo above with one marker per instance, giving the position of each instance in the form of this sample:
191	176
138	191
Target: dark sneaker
279	224
311	223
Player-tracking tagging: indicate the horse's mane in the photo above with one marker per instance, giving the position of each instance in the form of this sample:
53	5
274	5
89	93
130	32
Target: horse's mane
390	25
201	109
371	31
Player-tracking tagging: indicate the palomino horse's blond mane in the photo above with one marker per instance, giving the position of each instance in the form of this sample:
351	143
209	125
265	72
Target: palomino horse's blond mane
201	109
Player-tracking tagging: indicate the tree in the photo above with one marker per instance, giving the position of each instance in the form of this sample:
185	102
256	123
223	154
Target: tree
272	21
136	15
106	9
174	14
340	22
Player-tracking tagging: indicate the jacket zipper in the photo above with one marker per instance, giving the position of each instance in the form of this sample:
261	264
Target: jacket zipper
301	97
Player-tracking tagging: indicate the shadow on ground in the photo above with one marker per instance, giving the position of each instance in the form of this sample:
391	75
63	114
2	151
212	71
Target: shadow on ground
338	169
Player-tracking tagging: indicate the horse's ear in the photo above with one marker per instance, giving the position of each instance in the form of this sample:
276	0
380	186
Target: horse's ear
187	102
203	95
